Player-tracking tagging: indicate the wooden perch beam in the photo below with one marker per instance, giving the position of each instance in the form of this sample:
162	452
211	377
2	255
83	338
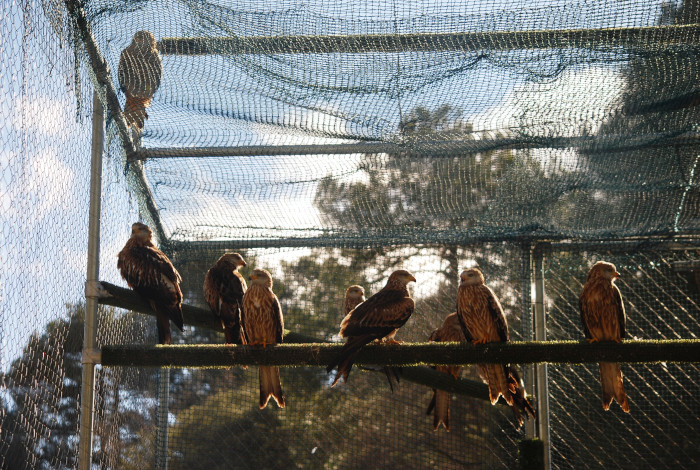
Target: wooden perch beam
407	354
198	317
128	299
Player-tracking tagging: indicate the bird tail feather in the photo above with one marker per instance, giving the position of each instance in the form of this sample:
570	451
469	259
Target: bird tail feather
522	408
270	386
496	377
135	111
442	409
611	382
346	357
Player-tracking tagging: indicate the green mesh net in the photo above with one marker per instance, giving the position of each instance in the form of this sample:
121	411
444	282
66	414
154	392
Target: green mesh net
332	142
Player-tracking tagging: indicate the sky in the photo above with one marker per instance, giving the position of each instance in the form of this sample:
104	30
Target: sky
45	123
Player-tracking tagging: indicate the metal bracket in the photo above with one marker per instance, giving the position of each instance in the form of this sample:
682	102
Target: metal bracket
91	356
94	290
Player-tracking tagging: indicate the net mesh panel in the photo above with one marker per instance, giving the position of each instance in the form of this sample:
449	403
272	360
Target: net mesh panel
511	136
661	429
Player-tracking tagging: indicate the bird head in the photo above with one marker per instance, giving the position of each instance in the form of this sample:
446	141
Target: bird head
603	269
402	277
145	40
261	277
471	277
235	260
141	231
355	292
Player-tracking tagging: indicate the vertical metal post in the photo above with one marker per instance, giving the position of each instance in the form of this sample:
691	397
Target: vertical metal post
541	369
162	419
527	323
90	356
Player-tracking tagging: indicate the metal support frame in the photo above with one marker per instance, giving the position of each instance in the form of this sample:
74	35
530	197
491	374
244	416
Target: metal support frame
527	324
162	419
89	358
629	37
540	325
432	148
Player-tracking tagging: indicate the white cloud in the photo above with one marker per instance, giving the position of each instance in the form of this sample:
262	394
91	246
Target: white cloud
557	107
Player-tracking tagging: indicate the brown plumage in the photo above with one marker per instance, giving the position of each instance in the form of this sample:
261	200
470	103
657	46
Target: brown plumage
482	319
451	330
140	71
223	290
378	317
603	319
151	274
354	295
522	408
262	325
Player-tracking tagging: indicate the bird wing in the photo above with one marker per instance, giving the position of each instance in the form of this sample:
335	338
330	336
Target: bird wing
584	314
496	313
465	331
211	292
619	306
385	310
122	74
148	271
277	319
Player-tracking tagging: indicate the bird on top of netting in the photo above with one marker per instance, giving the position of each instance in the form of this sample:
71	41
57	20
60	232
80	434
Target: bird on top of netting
140	72
483	321
603	319
224	287
151	274
450	330
262	324
378	317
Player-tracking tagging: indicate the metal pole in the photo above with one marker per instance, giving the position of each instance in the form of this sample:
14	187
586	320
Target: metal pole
90	354
527	321
162	419
541	369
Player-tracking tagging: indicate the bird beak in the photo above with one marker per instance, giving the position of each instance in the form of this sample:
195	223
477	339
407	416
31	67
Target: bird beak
243	264
616	274
252	278
413	279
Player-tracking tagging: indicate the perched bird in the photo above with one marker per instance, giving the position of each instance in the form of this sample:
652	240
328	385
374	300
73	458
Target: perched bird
261	325
603	318
378	317
140	71
354	296
451	330
151	274
224	287
482	319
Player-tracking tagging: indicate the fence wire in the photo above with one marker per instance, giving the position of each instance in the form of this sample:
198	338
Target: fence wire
514	137
661	429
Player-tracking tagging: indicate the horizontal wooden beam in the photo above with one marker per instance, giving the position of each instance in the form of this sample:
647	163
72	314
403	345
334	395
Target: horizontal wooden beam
126	298
629	37
428	148
407	354
194	316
